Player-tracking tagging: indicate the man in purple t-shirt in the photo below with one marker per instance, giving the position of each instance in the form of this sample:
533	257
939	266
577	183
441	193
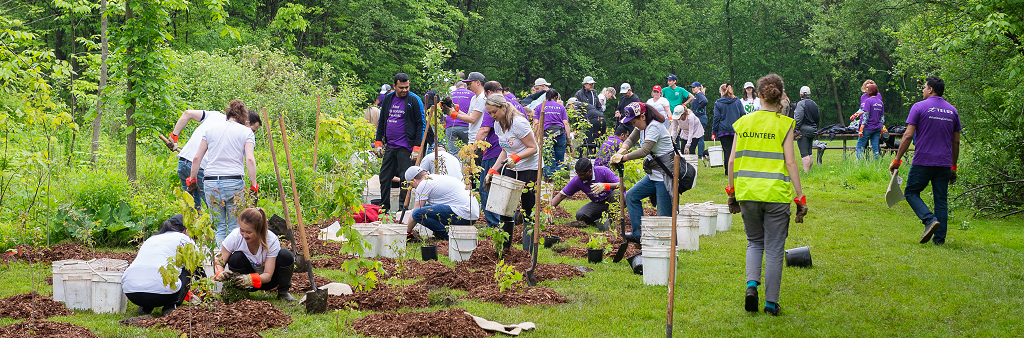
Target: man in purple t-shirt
556	126
934	125
455	129
398	136
599	183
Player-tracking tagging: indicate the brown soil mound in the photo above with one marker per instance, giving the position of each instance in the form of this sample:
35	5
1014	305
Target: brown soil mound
61	252
453	323
579	196
417	269
650	212
384	298
577	224
564	231
556	272
540	295
484	257
31	305
442	248
300	282
561	213
245	316
574	251
317	247
38	328
459	279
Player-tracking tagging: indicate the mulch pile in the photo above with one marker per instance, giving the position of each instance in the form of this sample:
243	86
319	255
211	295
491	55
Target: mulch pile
61	252
458	279
579	196
245	317
317	247
540	295
38	328
453	323
484	257
300	282
556	272
561	213
415	268
384	298
32	305
564	231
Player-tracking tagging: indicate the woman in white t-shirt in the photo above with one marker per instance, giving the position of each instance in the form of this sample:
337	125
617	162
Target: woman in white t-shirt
225	154
519	154
649	127
659	103
142	282
750	101
254	257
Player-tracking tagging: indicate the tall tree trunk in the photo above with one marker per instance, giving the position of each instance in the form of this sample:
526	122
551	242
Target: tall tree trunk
103	83
728	28
130	112
839	104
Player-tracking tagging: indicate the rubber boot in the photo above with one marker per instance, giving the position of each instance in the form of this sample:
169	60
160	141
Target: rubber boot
285	283
508	228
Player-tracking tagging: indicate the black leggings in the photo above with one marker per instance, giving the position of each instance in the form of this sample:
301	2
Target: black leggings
240	264
529	200
147	301
727	150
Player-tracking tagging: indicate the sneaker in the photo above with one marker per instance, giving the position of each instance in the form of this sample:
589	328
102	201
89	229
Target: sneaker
771	311
750	301
928	232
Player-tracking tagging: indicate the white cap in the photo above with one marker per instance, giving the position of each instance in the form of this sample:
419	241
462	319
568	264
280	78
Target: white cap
589	79
748	85
805	90
385	89
624	88
412	172
572	100
541	81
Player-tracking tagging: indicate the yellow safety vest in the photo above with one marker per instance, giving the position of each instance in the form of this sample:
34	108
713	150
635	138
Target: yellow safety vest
759	170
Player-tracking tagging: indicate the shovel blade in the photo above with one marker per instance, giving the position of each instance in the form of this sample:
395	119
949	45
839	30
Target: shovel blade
531	280
621	252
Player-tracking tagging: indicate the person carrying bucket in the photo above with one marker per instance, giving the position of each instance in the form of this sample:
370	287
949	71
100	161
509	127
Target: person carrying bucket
599	183
764	175
253	259
142	282
440	201
519	157
648	126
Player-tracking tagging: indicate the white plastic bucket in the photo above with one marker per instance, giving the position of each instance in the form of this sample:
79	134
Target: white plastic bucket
392	240
57	268
715	153
371	236
462	240
687	233
656	264
107	295
656	230
396	202
724	218
691	159
372	190
78	289
504	195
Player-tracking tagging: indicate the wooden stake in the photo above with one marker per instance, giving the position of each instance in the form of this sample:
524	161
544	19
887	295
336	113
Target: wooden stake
672	246
531	279
423	142
295	197
316	133
280	186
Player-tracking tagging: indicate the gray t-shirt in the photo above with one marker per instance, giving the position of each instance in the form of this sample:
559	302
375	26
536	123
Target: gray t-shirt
662	139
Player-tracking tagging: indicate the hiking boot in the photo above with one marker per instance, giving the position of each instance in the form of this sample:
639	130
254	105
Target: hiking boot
750	300
630	238
773	311
928	232
285	283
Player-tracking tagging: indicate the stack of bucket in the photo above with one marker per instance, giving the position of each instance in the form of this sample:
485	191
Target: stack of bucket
655	230
706	214
687	233
90	285
462	240
656	238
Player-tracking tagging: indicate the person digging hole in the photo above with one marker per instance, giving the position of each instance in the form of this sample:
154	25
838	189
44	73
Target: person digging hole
142	282
254	257
599	183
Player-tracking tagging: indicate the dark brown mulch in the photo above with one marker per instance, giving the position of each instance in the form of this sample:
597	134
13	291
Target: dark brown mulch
579	196
32	305
48	280
300	282
557	272
442	248
574	251
452	323
40	328
650	212
540	295
317	247
485	257
61	252
561	213
384	298
565	231
458	279
335	263
245	316
416	268
577	224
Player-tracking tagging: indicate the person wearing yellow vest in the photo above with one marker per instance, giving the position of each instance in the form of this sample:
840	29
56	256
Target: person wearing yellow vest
762	181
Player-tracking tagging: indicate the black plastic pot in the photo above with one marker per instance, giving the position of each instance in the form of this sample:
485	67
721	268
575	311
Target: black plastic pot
429	252
637	263
550	241
594	255
799	257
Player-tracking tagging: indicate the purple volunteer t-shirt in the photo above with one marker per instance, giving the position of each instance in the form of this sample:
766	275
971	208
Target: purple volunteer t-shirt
936	121
380	98
610	146
492	138
554	113
601	175
394	131
515	102
874	109
865	97
461	97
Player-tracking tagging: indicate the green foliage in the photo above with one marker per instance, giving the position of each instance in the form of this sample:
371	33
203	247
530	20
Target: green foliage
507	276
597	242
498	237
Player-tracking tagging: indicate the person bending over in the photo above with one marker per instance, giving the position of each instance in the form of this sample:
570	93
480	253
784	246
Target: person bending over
440	201
599	183
142	282
254	257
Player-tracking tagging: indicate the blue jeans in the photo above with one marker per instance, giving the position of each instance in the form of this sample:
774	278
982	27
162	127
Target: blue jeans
872	137
455	133
436	217
184	171
643	189
222	195
492	219
917	180
700	143
558	148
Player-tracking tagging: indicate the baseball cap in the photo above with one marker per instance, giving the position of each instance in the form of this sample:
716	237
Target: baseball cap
748	85
589	79
695	84
572	100
633	110
672	77
385	89
475	76
624	88
678	111
541	81
412	172
805	90
657	88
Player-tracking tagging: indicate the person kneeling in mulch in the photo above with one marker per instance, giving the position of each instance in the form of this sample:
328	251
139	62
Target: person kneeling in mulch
440	201
142	283
599	183
254	256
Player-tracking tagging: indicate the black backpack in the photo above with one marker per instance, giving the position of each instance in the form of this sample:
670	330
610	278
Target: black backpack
688	172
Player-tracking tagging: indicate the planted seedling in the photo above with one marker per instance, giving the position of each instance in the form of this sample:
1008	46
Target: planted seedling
506	276
498	236
597	242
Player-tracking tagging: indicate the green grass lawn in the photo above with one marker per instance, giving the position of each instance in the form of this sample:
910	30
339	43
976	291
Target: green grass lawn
870	277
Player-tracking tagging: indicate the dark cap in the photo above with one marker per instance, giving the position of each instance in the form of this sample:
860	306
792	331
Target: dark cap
475	76
633	110
672	77
695	84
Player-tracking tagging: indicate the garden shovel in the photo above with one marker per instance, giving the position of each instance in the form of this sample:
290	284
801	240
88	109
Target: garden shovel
622	217
531	278
419	158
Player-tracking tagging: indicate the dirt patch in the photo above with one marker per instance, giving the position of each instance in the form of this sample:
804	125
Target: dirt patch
579	196
458	279
577	224
39	328
453	323
484	257
300	282
61	252
557	272
31	306
565	231
384	298
561	213
417	269
574	251
245	317
540	295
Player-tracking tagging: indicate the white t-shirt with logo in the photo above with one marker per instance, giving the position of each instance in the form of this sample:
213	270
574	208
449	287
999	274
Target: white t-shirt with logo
235	242
751	105
210	118
657	132
479	103
660	105
448	166
225	154
511	142
450	191
143	275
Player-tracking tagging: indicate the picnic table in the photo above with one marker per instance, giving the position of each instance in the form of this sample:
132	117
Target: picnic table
847	137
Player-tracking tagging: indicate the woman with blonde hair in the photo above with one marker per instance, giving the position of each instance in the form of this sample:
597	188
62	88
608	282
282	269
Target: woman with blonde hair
519	158
253	259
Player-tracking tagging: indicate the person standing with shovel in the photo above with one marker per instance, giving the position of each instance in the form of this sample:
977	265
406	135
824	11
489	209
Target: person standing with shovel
519	154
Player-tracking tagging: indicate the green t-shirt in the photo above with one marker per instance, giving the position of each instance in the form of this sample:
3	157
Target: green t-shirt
675	96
